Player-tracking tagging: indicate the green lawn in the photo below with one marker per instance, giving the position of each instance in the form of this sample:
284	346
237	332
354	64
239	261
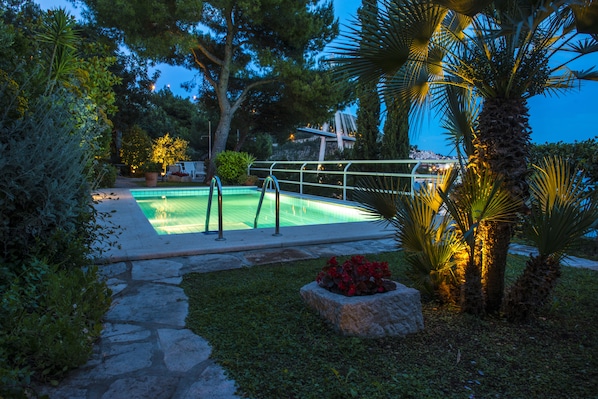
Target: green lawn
275	347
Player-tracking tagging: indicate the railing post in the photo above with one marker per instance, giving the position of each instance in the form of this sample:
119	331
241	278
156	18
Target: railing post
301	178
345	180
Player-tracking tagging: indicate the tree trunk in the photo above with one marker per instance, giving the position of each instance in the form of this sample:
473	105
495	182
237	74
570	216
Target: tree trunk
220	138
501	145
532	289
468	270
497	236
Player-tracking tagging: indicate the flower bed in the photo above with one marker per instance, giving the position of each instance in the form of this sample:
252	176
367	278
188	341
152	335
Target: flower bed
358	298
356	276
393	313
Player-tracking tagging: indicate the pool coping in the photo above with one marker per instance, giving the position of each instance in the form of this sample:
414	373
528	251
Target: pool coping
137	240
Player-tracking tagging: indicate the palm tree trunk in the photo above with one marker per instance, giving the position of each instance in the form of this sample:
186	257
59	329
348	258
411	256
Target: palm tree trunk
496	237
468	271
533	288
501	145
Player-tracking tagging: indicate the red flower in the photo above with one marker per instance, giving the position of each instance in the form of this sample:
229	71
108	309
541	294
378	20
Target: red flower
356	276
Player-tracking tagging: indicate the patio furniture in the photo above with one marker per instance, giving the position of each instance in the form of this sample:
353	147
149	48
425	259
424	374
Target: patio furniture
195	169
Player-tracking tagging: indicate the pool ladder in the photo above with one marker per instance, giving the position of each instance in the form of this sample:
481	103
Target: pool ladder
273	182
215	181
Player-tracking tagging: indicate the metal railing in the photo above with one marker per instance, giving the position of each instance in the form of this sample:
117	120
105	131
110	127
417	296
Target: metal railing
343	176
273	182
215	181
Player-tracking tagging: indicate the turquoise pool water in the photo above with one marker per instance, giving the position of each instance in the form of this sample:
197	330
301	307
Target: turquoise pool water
180	211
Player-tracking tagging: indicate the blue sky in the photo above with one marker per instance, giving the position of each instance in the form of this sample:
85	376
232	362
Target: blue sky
570	117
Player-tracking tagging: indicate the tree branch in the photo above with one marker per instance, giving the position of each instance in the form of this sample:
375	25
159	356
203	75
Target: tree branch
208	54
246	90
205	70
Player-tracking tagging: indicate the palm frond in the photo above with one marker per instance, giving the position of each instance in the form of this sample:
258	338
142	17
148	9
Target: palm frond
555	183
586	17
459	113
434	263
466	7
587	74
378	196
430	194
583	47
479	198
372	50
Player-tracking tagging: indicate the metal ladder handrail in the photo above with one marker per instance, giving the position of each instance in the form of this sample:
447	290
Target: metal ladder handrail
273	181
215	180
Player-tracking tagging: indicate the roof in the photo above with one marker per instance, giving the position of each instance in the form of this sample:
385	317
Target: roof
323	133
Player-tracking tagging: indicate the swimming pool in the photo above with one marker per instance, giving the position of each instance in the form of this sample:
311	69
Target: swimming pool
180	211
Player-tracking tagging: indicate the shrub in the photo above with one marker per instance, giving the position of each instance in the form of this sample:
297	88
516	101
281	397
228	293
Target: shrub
582	155
105	174
136	148
44	188
149	166
51	319
51	302
231	166
356	276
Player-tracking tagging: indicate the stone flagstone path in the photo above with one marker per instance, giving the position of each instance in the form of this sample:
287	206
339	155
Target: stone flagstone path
145	351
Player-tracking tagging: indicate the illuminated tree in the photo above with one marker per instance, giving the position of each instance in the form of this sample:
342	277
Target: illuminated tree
167	150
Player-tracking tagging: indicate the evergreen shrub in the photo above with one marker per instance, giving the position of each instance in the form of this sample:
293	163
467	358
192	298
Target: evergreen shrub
51	301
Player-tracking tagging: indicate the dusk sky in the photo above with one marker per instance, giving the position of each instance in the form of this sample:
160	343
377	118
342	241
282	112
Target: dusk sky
573	116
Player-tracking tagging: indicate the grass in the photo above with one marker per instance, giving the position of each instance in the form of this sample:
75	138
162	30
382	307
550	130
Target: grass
273	346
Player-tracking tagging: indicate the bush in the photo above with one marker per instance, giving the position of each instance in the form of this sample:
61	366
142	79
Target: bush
136	148
583	155
51	319
105	174
51	304
231	166
44	188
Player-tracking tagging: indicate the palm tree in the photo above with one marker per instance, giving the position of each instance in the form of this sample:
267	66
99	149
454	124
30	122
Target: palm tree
503	52
59	33
562	211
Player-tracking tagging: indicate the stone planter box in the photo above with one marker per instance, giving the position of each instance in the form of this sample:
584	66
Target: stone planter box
393	313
